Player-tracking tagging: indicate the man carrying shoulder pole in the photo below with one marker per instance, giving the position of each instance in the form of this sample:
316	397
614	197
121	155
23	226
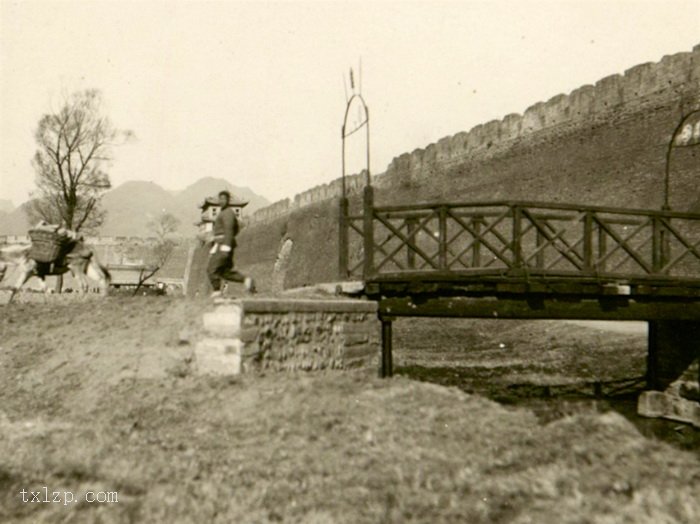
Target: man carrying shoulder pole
221	254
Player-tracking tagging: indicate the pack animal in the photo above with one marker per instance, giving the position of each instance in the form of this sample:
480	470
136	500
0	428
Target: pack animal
78	258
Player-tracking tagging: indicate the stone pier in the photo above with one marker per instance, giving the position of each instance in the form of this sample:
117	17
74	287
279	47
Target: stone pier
248	335
673	370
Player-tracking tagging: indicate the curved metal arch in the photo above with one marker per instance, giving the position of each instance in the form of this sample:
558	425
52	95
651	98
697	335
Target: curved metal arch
345	134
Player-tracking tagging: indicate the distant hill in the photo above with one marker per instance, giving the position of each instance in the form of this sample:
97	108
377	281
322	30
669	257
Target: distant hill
130	206
14	222
6	206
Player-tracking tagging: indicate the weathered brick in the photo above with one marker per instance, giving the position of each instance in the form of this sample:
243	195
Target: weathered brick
353	339
364	350
249	334
218	356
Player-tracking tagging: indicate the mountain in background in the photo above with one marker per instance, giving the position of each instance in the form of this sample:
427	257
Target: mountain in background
14	222
189	199
6	206
130	207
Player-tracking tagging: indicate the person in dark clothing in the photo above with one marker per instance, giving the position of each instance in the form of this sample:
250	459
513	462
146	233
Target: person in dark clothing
220	265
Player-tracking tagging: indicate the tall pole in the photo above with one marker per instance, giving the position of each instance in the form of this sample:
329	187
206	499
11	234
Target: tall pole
343	220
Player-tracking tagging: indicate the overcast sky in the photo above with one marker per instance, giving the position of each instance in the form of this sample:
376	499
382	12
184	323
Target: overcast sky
253	92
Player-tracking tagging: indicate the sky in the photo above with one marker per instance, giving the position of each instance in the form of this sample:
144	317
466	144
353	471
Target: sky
255	92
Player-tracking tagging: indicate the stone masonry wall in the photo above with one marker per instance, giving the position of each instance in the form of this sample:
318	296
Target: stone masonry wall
289	335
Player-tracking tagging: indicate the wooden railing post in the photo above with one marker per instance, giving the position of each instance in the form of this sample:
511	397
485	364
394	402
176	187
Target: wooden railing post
588	242
343	247
660	245
602	249
442	262
411	228
656	249
539	242
664	238
368	231
476	247
517	237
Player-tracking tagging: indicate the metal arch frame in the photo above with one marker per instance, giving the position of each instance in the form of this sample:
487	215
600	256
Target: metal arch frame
345	134
343	218
671	146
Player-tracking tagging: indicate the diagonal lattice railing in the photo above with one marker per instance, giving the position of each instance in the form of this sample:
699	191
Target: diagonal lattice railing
511	238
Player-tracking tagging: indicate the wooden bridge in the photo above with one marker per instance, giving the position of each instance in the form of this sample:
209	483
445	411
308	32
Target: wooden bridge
532	260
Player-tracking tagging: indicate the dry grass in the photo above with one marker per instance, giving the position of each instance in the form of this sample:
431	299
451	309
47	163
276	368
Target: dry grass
116	407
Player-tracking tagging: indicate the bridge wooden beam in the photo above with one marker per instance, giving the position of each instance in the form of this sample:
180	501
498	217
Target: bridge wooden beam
483	285
603	308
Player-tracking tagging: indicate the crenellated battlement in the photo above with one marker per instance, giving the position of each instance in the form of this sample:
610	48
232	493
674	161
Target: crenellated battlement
642	86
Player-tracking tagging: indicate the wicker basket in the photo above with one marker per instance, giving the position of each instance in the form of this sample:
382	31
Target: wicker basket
46	245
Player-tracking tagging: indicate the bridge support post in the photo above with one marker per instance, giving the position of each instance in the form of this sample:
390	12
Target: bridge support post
387	368
674	383
673	346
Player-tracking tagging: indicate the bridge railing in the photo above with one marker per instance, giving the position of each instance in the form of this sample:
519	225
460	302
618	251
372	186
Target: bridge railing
512	238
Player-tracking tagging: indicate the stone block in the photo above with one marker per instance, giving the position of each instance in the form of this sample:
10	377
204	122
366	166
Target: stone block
224	321
218	356
656	404
267	305
354	339
363	351
249	334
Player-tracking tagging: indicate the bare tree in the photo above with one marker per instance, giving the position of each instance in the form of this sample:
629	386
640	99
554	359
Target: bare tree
163	228
73	147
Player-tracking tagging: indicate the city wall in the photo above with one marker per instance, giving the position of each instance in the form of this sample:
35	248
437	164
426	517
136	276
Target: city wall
644	86
603	143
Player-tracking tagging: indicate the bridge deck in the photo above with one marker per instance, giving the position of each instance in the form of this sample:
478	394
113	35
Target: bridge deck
494	282
495	296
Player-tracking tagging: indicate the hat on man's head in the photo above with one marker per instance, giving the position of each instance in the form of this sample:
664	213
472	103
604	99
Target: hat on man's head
225	192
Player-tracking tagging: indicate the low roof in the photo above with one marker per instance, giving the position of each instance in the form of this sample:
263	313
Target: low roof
214	201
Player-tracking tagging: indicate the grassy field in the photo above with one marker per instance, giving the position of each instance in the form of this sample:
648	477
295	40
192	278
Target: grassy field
101	396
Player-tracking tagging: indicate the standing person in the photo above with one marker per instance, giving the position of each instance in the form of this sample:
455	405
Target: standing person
221	255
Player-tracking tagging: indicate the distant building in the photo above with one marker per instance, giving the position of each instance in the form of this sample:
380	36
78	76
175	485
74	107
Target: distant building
130	275
210	209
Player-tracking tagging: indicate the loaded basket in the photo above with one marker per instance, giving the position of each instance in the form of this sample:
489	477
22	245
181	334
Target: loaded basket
47	244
